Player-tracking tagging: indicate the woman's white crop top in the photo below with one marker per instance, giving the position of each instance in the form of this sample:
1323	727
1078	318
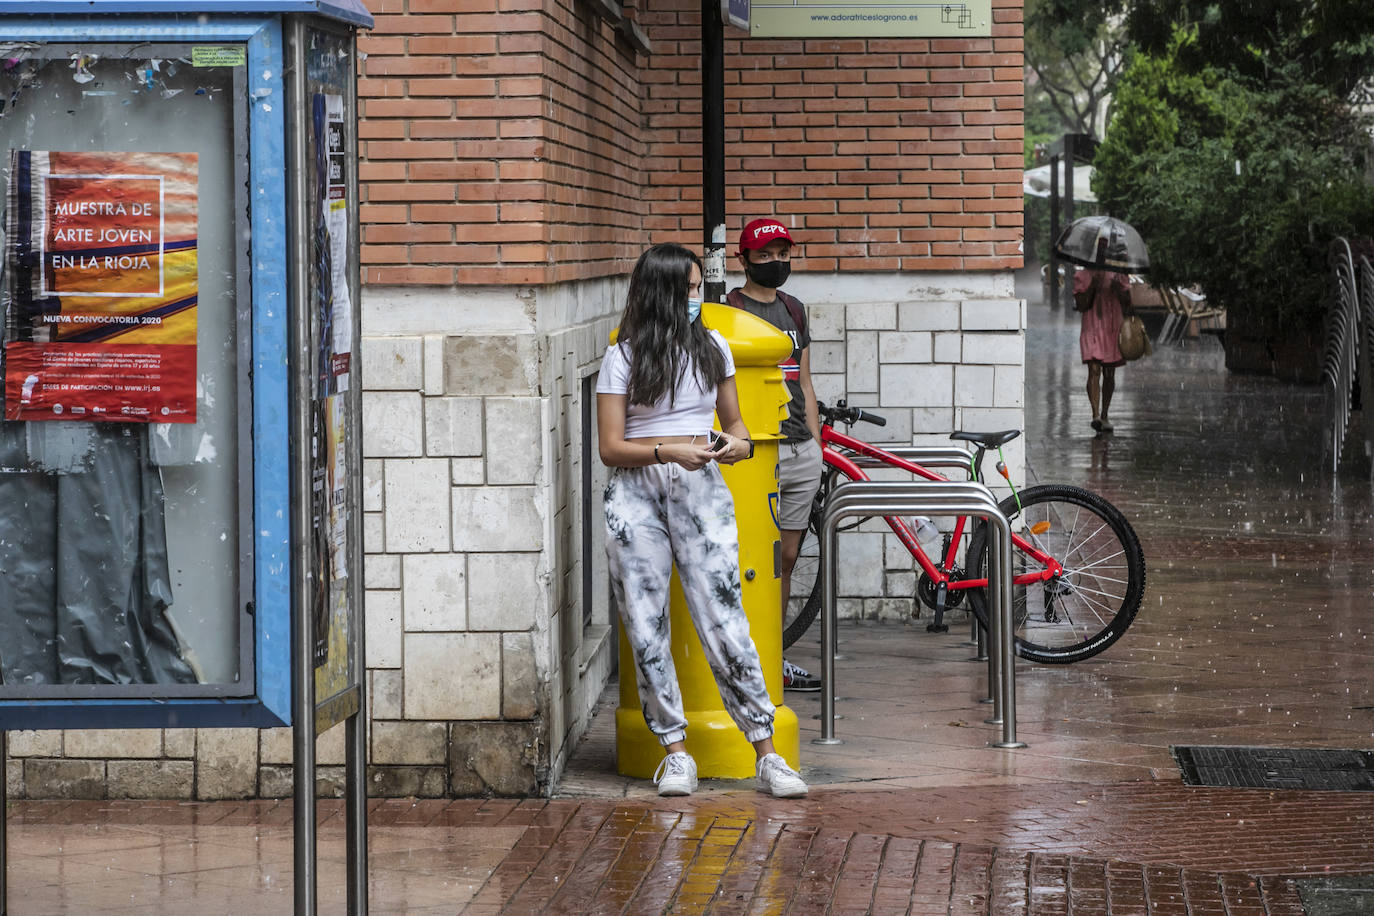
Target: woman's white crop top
692	406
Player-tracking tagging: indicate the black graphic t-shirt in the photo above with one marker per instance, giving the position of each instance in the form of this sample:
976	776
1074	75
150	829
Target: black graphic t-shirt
775	313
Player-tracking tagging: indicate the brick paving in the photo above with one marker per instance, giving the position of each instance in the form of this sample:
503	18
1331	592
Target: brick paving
1255	632
1056	848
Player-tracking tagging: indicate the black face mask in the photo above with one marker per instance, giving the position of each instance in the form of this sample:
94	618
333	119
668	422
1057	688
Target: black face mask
770	275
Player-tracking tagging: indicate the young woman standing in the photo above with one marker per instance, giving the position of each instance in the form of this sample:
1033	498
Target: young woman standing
666	503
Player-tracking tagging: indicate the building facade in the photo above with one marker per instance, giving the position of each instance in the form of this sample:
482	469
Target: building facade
518	155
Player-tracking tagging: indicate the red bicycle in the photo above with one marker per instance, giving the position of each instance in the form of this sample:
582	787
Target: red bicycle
1079	572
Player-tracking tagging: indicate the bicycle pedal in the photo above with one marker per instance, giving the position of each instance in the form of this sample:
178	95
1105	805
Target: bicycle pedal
937	628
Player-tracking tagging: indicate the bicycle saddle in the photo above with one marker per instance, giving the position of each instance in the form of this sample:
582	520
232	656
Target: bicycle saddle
987	440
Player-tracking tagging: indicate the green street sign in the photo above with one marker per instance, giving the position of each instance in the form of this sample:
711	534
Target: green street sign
869	19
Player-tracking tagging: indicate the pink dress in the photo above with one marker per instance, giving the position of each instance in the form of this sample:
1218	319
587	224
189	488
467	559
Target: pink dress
1097	339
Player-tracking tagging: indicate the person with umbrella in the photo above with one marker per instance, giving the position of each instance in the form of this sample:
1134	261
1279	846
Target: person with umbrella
1106	250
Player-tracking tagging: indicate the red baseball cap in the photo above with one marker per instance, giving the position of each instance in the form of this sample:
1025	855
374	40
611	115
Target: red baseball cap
762	231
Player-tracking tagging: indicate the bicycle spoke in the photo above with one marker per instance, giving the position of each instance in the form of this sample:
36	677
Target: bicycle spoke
1087	596
1088	563
1105	554
1108	581
1070	532
1093	569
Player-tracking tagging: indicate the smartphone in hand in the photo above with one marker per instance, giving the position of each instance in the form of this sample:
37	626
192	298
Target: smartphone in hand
718	442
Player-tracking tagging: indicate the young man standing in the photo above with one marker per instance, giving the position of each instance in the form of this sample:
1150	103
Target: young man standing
765	253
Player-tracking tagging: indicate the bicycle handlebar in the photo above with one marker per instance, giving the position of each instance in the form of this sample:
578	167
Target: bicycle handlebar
843	413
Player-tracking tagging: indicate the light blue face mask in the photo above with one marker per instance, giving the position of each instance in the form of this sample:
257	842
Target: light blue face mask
693	309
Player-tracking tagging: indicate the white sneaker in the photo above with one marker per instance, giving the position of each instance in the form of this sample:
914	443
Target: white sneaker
676	775
778	779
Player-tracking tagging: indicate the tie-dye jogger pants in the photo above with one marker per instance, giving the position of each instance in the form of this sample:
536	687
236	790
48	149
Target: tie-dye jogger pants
659	515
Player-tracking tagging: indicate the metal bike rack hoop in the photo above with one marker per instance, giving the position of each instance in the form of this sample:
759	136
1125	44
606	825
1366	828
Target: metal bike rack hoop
937	456
980	639
860	498
944	488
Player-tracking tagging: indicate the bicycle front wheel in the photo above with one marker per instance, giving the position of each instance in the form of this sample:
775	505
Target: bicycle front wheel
1085	609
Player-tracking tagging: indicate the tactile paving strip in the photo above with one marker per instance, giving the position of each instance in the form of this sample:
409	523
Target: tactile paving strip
1320	769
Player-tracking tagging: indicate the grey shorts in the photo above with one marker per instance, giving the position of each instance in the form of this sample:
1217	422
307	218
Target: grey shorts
799	477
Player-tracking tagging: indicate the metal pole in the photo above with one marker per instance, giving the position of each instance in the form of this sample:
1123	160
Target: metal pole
302	620
1070	161
829	529
1007	645
355	807
996	635
987	654
355	727
1053	291
4	824
713	151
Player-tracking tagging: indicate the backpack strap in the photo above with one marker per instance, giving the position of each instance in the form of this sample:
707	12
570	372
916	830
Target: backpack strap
794	308
735	298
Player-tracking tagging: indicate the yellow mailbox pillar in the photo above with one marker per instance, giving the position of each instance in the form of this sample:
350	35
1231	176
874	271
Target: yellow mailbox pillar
713	739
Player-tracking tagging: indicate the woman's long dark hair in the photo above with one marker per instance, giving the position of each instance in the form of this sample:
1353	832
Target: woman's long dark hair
662	342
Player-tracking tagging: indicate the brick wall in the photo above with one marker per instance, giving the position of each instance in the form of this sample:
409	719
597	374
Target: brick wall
523	142
887	154
500	142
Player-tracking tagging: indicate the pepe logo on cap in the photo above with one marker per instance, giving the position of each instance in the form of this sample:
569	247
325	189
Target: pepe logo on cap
762	231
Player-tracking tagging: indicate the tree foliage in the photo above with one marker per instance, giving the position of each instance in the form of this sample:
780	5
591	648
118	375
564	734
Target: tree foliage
1329	42
1236	181
1075	49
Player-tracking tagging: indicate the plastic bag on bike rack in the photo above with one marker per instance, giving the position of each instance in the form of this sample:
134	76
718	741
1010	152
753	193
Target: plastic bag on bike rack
928	535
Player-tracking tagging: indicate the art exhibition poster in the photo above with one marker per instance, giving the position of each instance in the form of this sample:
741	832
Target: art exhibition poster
100	287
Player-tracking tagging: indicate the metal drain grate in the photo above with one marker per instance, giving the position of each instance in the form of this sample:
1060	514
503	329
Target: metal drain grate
1329	769
1337	896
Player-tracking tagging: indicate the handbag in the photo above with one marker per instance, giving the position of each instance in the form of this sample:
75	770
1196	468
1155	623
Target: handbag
1132	339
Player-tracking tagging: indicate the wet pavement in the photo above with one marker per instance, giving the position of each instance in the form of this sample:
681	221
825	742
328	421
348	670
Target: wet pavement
1254	631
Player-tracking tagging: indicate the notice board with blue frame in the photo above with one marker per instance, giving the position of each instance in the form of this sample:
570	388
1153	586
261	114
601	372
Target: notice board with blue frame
153	547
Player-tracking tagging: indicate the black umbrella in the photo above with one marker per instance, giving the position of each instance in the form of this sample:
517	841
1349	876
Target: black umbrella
1104	243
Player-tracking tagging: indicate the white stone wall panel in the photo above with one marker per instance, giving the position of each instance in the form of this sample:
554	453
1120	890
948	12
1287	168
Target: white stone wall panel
435	592
453	427
916	385
514	454
393	424
452	676
382	629
417	505
507	591
497	519
392	363
1007	349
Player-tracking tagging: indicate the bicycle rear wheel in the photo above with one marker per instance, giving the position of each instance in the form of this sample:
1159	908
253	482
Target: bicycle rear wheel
805	601
1083	611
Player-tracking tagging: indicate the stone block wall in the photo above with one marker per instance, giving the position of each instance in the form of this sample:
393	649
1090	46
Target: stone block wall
173	763
456	508
488	618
